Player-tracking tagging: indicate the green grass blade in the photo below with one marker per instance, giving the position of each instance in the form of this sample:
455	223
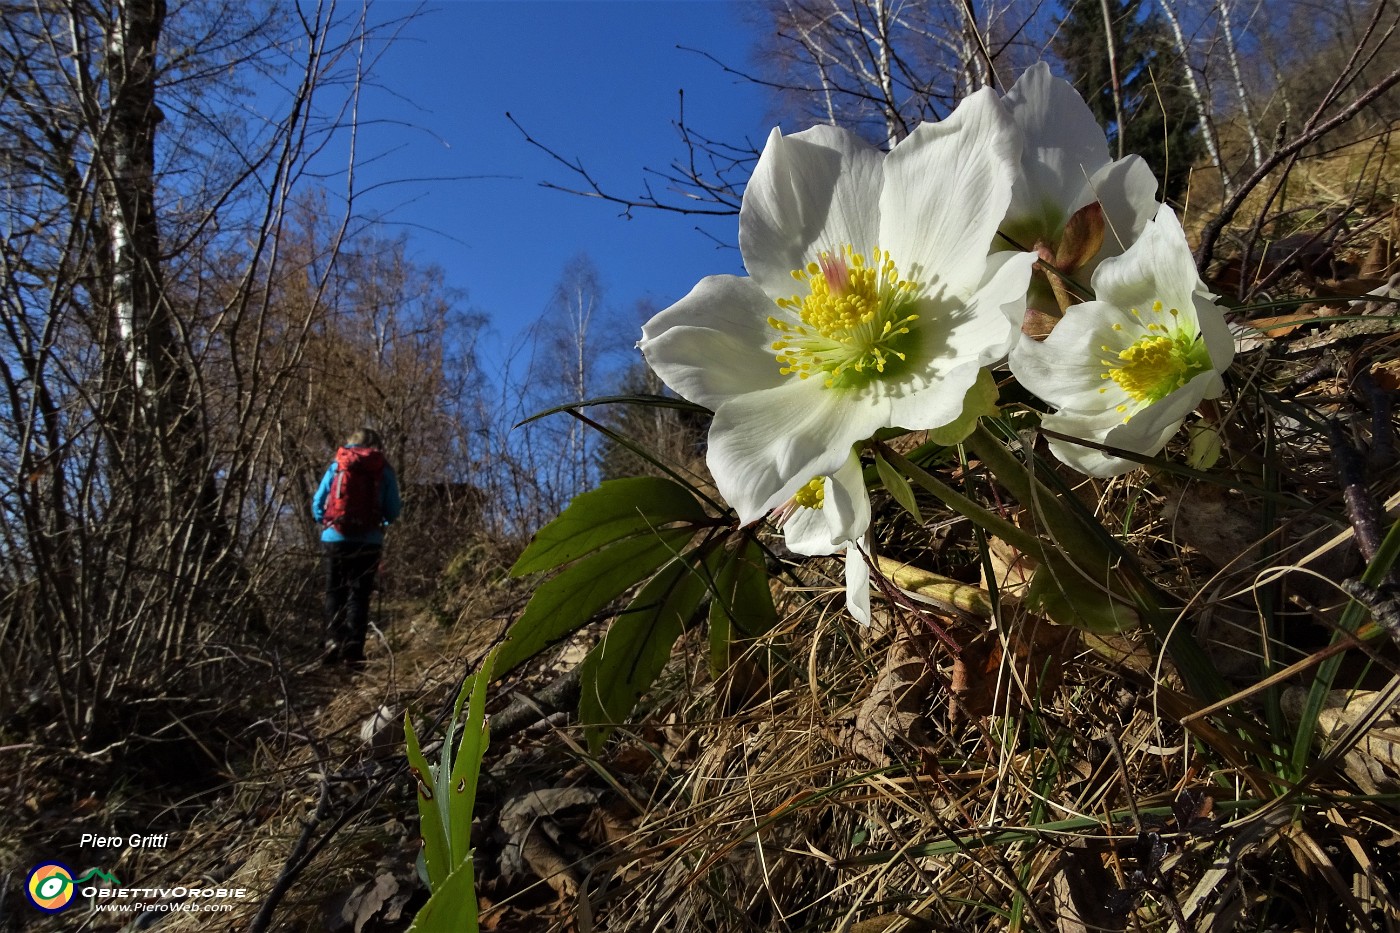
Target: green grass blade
1350	621
430	823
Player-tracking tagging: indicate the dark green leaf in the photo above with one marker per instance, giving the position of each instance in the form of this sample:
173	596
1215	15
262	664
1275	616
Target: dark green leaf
898	487
721	634
625	663
1060	592
741	600
460	796
617	509
564	603
430	817
641	398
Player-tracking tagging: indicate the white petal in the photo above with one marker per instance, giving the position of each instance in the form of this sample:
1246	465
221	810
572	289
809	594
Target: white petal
1146	433
843	517
847	502
713	344
1127	189
947	187
1220	343
765	445
857	583
808	531
1064	148
1091	427
933	402
1001	297
814	190
1065	369
1158	267
1153	425
957	340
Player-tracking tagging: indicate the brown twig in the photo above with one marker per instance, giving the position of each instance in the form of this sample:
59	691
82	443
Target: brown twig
1362	510
527	709
296	861
1286	153
719	194
1380	402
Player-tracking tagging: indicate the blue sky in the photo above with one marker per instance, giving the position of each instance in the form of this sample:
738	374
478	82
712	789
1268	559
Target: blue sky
596	80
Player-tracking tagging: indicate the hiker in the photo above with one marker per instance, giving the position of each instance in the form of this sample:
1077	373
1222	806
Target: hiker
357	497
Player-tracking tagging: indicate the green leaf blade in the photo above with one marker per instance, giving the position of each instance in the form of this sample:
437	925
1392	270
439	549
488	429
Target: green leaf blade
564	603
742	600
616	510
466	772
898	487
452	907
631	655
430	820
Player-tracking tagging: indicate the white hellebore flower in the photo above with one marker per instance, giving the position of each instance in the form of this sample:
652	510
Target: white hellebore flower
830	514
1126	369
1065	170
870	301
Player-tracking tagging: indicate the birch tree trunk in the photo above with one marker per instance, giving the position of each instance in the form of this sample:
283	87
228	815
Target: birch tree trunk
1227	33
895	130
976	71
1198	99
127	170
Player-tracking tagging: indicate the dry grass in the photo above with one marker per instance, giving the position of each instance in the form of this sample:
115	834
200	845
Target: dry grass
844	779
1074	791
1326	216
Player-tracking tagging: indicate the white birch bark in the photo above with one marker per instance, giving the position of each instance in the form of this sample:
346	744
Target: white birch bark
1227	32
1193	87
894	126
127	186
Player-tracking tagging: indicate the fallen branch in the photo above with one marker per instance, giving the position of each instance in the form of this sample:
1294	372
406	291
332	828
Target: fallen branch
1288	152
296	861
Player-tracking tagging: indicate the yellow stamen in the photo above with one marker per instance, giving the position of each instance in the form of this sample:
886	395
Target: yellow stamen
1161	361
812	495
853	322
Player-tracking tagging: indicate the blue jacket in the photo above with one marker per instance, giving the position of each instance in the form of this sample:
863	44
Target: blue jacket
389	507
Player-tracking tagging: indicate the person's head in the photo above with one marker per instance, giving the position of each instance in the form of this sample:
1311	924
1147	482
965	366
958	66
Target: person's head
365	437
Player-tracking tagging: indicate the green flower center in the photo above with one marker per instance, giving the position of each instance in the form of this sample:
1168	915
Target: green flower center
1158	363
812	495
853	323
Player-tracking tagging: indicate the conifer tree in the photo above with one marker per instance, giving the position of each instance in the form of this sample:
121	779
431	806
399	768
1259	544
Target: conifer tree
1147	80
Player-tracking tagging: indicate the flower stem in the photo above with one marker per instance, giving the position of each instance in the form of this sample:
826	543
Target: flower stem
1087	553
1042	504
987	520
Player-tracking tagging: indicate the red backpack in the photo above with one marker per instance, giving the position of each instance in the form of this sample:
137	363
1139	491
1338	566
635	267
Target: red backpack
352	508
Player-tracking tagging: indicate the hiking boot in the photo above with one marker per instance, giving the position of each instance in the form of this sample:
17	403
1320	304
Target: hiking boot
334	653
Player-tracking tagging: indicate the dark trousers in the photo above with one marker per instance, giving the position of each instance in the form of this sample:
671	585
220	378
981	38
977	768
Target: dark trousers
350	571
